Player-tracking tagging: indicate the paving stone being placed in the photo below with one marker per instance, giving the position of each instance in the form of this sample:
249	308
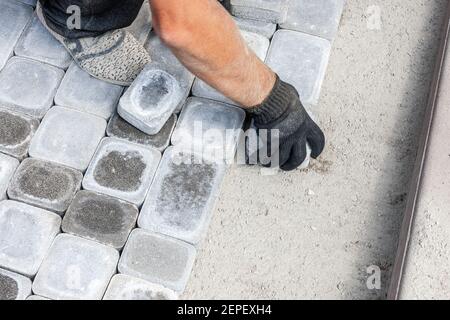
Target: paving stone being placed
82	92
301	60
75	269
101	218
38	44
266	29
157	258
14	286
274	11
142	25
123	170
26	234
14	17
317	17
119	128
8	166
16	131
123	287
68	137
45	184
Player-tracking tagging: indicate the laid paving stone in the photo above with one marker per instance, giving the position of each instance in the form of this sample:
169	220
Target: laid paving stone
300	59
45	184
75	269
266	29
68	137
123	287
101	218
157	258
119	128
14	286
26	234
38	44
181	198
8	166
14	17
123	170
36	298
265	10
209	127
82	92
29	86
151	99
317	17
16	131
142	25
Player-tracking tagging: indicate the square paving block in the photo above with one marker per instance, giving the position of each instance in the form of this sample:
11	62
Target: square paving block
123	287
119	128
38	44
300	59
157	258
181	199
265	10
26	234
317	17
122	169
101	218
142	25
8	166
16	131
82	92
76	269
14	286
266	29
45	184
68	137
29	86
14	17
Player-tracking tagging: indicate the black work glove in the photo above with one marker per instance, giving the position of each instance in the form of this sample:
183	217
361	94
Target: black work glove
284	111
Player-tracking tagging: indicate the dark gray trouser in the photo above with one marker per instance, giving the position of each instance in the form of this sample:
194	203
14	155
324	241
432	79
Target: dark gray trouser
97	16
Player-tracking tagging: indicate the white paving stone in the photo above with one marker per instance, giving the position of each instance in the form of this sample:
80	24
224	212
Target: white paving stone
26	234
37	298
76	269
265	10
266	29
14	286
8	166
68	137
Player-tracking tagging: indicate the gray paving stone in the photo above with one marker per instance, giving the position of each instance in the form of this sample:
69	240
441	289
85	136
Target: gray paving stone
151	99
16	131
317	17
181	198
29	86
265	10
36	298
80	91
300	59
266	29
75	269
157	258
122	169
68	137
29	2
26	234
8	166
14	17
119	128
37	43
14	286
45	184
101	218
142	25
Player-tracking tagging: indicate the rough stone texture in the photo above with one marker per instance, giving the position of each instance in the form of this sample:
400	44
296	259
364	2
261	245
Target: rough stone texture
75	268
301	60
14	286
159	259
8	166
181	198
38	44
29	86
45	184
16	131
26	234
266	29
265	10
80	91
123	170
68	137
123	287
101	218
119	128
142	25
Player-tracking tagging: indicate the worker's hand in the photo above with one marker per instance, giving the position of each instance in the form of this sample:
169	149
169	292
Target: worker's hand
284	111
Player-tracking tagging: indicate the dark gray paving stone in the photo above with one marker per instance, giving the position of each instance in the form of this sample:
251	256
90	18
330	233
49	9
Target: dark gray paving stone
274	11
101	218
8	166
14	286
45	184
